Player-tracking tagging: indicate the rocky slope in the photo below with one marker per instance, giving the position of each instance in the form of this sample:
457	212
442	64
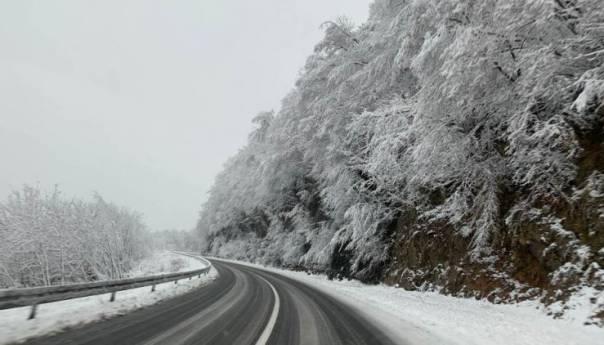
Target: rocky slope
449	145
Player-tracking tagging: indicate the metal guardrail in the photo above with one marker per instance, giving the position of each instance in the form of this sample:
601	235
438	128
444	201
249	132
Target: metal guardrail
13	298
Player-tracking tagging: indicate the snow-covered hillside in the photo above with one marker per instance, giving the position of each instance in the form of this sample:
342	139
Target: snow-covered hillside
453	146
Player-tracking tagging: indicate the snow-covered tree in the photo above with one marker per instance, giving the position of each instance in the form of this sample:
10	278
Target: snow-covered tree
48	239
459	110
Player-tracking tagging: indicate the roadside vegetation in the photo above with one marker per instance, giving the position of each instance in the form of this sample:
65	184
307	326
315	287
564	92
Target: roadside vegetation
49	239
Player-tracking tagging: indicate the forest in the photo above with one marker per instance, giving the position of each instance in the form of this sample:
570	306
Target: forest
49	239
452	145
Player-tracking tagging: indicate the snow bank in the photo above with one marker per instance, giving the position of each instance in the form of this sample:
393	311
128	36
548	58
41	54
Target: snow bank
52	317
430	318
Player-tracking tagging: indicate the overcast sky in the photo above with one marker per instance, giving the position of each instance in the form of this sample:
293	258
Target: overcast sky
143	101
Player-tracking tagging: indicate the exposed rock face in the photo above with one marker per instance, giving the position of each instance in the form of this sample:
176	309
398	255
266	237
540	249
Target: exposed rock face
549	251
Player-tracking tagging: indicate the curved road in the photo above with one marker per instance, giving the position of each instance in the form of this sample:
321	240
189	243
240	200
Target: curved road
243	306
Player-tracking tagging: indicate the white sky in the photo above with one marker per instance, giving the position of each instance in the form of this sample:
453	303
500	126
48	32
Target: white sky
143	101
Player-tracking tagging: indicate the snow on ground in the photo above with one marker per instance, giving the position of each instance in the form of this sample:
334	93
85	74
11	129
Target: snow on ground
429	318
52	317
162	262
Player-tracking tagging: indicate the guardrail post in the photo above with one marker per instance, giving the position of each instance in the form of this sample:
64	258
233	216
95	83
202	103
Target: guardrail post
176	281
153	288
199	275
112	299
32	313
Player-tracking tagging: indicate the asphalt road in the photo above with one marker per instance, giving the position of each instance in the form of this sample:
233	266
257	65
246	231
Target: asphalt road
243	305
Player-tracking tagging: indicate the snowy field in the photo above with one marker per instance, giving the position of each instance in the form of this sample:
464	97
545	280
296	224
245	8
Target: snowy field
427	318
52	317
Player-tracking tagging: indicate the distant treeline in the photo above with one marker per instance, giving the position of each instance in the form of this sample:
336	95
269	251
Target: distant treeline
178	240
48	239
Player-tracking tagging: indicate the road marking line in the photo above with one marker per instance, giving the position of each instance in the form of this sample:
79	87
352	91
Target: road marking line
266	334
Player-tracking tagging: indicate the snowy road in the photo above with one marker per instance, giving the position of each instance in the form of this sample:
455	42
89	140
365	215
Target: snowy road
244	305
